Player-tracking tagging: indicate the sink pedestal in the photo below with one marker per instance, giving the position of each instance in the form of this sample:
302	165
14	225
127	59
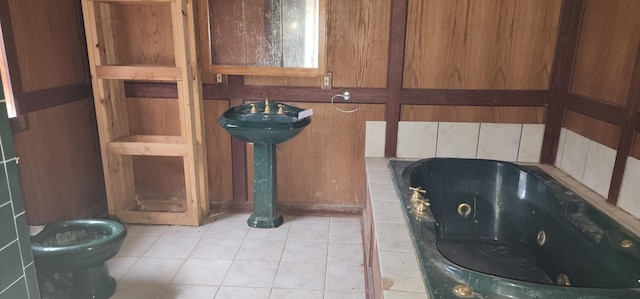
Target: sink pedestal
265	125
265	205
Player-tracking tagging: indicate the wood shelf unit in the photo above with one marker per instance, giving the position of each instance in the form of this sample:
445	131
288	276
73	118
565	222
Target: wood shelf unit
119	145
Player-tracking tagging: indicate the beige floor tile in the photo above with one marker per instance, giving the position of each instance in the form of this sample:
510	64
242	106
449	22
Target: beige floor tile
224	249
138	291
300	276
150	270
189	292
227	292
251	274
305	252
202	272
172	247
261	250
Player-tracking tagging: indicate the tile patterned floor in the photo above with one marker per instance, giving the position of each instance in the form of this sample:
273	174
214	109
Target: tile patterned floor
307	257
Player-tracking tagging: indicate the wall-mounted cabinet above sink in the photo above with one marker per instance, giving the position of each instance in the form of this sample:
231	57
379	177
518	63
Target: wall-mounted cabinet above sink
263	37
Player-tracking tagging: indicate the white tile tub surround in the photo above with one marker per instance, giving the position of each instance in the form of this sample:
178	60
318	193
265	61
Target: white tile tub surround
531	143
457	140
399	265
574	155
417	139
499	141
587	161
629	199
507	142
375	137
599	168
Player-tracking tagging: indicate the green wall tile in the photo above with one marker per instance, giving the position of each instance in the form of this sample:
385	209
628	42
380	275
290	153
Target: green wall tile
11	257
4	187
11	265
6	133
32	282
8	230
16	291
14	185
23	237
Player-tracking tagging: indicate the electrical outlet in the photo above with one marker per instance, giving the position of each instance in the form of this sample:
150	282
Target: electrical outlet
219	78
326	80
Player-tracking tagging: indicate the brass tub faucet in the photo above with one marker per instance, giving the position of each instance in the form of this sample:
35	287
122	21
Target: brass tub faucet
420	204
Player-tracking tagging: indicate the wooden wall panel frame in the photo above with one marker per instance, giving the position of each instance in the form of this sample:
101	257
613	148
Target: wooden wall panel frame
26	102
628	133
564	61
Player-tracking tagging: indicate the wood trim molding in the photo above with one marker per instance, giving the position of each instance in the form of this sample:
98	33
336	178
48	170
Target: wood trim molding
475	97
358	95
629	129
46	98
563	65
610	113
395	64
26	102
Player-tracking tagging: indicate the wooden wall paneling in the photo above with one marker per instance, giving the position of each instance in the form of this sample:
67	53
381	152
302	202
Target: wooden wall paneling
48	43
609	41
143	35
487	114
60	165
156	177
153	116
592	128
323	167
480	45
159	178
358	43
218	152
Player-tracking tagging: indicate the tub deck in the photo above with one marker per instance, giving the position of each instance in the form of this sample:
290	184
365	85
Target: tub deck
389	250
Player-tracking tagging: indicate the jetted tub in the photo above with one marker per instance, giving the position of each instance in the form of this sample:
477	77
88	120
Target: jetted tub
499	230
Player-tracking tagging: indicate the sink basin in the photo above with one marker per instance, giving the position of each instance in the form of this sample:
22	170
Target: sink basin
260	127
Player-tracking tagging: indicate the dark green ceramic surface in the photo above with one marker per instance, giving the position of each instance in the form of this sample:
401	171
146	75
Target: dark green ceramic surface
260	127
495	250
265	130
70	257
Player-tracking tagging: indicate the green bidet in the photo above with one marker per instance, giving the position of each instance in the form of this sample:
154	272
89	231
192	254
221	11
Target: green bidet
70	257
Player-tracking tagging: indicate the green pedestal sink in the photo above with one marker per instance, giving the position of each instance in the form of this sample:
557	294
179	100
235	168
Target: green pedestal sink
278	124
